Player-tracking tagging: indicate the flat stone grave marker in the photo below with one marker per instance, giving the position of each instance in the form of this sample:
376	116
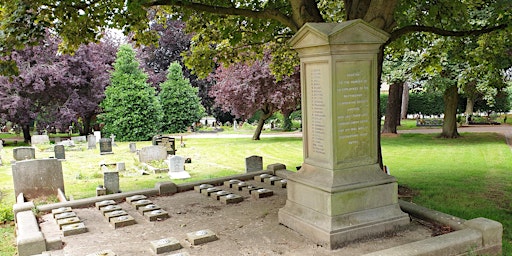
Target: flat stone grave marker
61	210
202	186
250	188
73	229
113	214
201	237
177	168
152	153
272	180
60	152
165	245
110	208
106	146
64	215
253	164
141	203
79	139
261	193
239	186
218	194
283	183
67	221
230	183
231	199
133	198
208	191
100	204
39	139
103	253
149	207
122	221
24	153
91	142
262	177
156	215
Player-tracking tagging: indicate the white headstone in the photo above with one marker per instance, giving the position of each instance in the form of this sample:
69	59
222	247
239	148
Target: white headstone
112	137
152	153
39	139
177	168
98	136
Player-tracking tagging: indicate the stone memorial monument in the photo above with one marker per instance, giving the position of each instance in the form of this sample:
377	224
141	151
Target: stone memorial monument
253	164
152	153
59	151
177	168
111	182
23	153
97	135
91	142
39	139
133	147
106	146
340	194
37	177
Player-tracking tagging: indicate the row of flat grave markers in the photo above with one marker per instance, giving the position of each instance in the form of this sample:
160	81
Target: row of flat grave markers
114	214
148	209
271	180
68	221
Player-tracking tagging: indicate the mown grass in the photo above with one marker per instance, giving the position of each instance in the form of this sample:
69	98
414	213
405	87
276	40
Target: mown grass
467	177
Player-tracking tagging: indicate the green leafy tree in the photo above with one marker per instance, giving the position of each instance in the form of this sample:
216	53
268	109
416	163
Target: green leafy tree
181	105
131	109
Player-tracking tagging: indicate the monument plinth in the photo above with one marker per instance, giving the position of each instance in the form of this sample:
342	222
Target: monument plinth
340	194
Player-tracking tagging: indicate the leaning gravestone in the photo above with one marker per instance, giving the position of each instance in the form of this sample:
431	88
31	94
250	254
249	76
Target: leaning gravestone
24	153
39	139
91	142
253	164
340	194
37	177
105	146
59	151
152	153
177	168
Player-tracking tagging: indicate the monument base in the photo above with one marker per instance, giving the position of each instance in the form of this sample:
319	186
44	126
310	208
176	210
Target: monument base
333	216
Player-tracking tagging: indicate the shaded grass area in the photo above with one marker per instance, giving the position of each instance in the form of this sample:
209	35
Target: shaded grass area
468	177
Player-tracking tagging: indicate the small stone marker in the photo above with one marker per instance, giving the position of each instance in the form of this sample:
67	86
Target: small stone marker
67	221
147	208
152	153
39	139
250	188
262	177
79	139
24	153
111	181
202	187
64	215
231	199
201	237
91	142
103	253
133	198
120	166
100	190
239	186
122	221
156	215
253	164
113	137
230	183
208	191
114	214
106	146
177	168
110	208
100	204
218	194
61	210
133	147
165	245
283	183
59	151
272	180
73	229
261	193
141	203
97	135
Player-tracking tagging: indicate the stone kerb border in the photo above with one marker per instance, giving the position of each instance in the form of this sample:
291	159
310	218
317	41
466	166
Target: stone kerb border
476	236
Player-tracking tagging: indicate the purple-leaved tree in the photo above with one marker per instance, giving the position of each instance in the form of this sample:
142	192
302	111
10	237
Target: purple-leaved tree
245	88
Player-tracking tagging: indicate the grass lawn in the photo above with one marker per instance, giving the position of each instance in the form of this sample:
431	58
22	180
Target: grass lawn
468	177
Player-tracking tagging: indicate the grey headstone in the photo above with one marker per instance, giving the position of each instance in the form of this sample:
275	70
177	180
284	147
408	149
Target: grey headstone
39	139
253	163
177	168
91	142
79	139
152	153
111	182
112	137
23	153
133	147
37	177
120	166
59	151
105	146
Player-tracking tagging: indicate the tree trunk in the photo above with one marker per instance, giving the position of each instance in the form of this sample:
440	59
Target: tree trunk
86	127
267	112
450	98
26	133
287	122
469	108
393	108
405	101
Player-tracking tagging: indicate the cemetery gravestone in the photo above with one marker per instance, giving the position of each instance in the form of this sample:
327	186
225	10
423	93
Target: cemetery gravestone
37	177
39	139
79	139
97	135
340	194
113	137
111	182
91	142
177	168
24	153
253	164
152	153
105	146
133	147
168	142
59	151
